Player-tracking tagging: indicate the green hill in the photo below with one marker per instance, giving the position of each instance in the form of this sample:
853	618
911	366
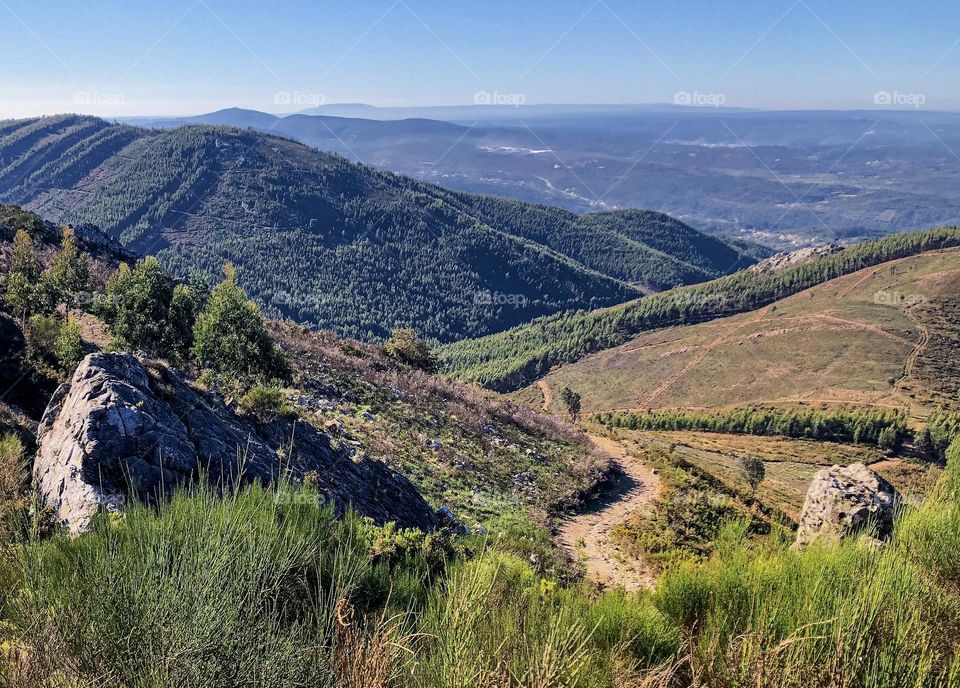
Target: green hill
509	360
327	242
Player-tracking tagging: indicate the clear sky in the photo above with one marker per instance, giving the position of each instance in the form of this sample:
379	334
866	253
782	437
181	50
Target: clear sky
132	57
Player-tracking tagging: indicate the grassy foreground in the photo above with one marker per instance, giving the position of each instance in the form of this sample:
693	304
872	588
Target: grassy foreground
266	588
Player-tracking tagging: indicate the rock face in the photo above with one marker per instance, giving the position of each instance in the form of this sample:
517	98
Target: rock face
125	426
842	499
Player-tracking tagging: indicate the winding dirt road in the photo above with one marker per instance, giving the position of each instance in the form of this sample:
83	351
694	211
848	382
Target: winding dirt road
586	536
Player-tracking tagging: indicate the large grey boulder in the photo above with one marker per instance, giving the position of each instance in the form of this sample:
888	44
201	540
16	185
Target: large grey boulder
844	499
124	426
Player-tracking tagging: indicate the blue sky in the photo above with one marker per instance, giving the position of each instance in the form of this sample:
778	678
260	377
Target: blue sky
129	57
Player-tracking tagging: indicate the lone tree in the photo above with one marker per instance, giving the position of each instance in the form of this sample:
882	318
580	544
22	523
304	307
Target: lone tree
571	400
755	470
23	278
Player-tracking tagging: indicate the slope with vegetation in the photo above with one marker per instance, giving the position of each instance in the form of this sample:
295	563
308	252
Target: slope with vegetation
485	457
512	359
875	337
323	241
264	587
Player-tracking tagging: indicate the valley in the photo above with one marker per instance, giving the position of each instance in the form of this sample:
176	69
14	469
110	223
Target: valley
505	345
338	245
785	179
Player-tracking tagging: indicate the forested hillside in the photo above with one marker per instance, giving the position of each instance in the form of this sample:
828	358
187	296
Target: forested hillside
512	359
334	244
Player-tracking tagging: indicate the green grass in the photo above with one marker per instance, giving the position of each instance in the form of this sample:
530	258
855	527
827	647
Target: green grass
263	587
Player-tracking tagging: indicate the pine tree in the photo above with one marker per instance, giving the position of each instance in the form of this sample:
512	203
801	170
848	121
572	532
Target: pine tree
23	279
70	272
231	340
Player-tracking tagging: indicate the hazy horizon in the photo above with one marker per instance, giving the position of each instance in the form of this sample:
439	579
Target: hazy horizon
188	57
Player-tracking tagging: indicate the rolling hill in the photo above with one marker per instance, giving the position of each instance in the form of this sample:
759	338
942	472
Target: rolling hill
881	337
510	360
324	241
781	178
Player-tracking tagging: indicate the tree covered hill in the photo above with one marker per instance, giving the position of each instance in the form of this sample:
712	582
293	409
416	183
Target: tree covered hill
509	360
335	244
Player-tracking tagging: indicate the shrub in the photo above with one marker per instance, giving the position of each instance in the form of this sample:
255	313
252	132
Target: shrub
266	403
68	346
405	346
41	333
13	472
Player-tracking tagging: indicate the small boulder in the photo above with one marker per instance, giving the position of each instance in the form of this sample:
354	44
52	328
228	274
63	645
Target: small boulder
844	499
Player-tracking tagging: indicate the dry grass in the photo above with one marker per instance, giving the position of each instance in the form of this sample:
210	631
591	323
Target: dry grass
837	342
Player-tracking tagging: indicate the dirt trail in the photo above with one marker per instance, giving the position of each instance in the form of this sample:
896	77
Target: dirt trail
547	394
586	536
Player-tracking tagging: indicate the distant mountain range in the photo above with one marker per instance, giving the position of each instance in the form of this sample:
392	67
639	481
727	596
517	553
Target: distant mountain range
786	179
335	244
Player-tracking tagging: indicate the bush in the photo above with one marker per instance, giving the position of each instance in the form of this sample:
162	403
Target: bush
13	467
266	403
14	481
405	346
42	333
68	346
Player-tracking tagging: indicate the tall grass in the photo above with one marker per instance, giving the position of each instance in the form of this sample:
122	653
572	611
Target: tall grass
210	591
265	588
262	587
857	614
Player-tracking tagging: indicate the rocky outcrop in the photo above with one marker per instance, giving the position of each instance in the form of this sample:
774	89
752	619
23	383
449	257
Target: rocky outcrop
126	426
781	261
844	499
